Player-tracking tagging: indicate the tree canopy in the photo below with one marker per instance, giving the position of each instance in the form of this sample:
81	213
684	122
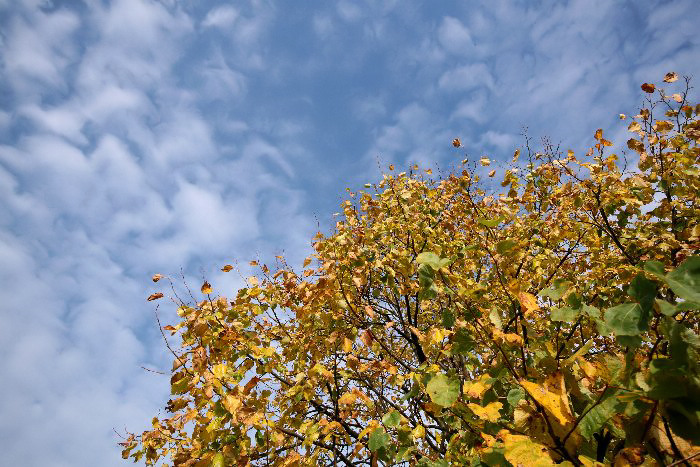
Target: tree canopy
450	321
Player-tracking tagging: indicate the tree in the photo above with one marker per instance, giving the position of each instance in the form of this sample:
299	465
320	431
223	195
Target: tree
440	323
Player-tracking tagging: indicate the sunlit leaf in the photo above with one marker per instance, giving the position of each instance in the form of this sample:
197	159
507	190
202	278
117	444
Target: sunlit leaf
206	288
648	88
154	296
443	390
671	77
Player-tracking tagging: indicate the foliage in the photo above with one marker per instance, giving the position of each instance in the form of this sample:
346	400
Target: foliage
440	324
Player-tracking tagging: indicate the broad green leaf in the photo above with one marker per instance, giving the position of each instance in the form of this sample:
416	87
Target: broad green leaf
656	268
462	342
629	341
596	417
448	319
392	419
685	279
557	290
565	314
443	390
432	260
644	291
504	246
514	396
378	439
490	222
624	319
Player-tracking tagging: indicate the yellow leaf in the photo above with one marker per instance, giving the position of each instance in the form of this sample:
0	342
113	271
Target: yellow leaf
516	154
154	296
522	450
227	268
370	311
307	261
475	389
219	370
485	161
418	432
347	345
671	77
490	412
206	288
598	134
157	277
677	97
492	173
634	126
231	403
252	280
623	116
552	395
528	303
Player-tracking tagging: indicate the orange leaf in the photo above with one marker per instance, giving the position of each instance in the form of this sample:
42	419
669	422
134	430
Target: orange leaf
366	338
456	142
206	288
528	303
157	277
155	296
648	87
598	134
227	268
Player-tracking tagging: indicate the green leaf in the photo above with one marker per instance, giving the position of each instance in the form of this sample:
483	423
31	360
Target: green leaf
644	291
443	390
668	309
490	222
432	260
180	386
504	246
515	395
624	319
594	420
392	419
629	341
565	314
378	439
656	268
685	279
462	342
448	319
557	290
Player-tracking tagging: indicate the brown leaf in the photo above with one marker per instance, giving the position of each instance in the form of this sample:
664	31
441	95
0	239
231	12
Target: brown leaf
206	288
366	338
157	277
456	142
671	77
598	134
155	296
227	268
648	87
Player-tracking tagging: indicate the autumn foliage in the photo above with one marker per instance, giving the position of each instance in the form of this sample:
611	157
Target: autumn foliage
449	321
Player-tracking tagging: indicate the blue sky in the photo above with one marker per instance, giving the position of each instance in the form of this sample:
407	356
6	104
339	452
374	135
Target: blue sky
154	136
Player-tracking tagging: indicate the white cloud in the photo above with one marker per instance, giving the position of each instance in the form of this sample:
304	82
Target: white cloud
221	17
467	77
454	36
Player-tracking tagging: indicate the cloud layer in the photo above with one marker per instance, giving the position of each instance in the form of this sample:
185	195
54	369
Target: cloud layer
144	136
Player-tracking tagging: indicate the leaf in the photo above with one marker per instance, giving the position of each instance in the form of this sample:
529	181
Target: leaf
157	277
456	142
648	88
492	173
227	268
378	439
557	290
624	319
565	314
490	222
514	396
443	390
366	337
206	288
462	342
348	398
432	260
598	134
552	395
521	450
485	161
475	389
671	77
489	413
392	419
218	460
528	303
154	296
685	279
448	319
504	246
596	417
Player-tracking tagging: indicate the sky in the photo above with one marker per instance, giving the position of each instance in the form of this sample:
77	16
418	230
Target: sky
176	136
